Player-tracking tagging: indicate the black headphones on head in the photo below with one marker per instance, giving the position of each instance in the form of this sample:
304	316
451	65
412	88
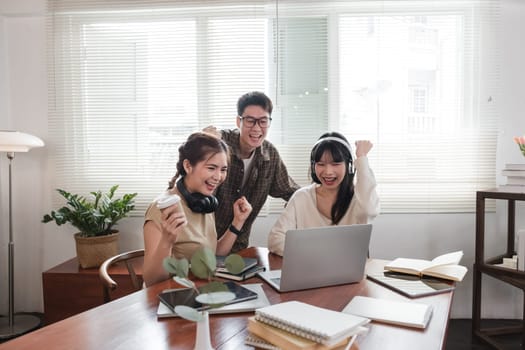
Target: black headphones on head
197	202
330	138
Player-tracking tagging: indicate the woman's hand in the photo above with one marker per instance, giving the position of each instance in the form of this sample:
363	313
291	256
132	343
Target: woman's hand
362	147
173	219
241	210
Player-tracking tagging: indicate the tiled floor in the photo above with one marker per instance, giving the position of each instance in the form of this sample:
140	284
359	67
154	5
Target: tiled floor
460	338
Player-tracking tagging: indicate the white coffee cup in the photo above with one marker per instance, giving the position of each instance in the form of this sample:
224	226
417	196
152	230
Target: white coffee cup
167	199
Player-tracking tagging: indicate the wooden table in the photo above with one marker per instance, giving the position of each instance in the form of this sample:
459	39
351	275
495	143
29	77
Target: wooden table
131	322
69	289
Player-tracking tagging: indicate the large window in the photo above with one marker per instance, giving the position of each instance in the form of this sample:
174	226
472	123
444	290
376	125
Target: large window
129	83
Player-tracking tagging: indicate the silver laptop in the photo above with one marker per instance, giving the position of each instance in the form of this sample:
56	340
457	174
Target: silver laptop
322	256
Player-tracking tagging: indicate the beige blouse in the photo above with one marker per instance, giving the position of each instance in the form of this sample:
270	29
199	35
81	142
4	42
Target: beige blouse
199	230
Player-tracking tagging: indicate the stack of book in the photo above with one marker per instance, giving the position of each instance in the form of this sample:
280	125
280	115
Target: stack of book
294	325
515	174
251	268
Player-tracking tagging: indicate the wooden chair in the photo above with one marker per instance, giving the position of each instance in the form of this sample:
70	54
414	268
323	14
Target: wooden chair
108	284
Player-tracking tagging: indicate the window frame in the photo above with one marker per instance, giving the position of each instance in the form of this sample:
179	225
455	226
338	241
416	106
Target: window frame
332	13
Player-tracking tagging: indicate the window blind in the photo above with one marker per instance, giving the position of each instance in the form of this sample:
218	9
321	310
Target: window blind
130	80
413	88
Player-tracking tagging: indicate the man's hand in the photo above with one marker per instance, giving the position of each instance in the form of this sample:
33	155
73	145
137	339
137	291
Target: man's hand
212	130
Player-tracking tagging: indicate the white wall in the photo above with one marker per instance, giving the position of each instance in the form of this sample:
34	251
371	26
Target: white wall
23	106
23	101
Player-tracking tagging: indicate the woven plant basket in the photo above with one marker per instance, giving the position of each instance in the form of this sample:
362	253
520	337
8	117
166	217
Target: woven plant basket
93	251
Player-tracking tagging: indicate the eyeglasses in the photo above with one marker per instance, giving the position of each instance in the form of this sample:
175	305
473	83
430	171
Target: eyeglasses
250	122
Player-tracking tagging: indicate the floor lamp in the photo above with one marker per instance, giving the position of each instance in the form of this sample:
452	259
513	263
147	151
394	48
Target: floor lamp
13	325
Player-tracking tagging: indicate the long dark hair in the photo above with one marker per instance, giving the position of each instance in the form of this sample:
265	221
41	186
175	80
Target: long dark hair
341	152
198	147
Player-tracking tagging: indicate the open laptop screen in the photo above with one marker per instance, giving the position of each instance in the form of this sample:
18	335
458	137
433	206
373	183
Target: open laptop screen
323	256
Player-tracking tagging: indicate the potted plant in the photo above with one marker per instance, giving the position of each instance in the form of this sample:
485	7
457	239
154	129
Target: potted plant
95	218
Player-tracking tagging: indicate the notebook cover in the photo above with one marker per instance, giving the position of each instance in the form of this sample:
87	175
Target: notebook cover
252	272
248	263
410	285
410	314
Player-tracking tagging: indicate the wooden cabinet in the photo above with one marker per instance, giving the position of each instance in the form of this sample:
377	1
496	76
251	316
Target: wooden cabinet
69	289
486	266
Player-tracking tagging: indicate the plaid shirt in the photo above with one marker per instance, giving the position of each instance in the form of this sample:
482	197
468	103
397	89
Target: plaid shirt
268	176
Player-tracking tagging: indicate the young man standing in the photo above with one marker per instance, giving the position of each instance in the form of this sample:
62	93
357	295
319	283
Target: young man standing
256	169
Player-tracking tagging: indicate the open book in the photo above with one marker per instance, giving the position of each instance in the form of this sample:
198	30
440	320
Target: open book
444	266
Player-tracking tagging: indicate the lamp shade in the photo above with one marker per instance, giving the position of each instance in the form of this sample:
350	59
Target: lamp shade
16	141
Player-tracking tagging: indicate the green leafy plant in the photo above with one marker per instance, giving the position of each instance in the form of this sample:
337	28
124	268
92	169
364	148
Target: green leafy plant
203	266
92	217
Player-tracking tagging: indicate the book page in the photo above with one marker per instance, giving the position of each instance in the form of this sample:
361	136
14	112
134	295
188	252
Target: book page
413	266
448	259
450	272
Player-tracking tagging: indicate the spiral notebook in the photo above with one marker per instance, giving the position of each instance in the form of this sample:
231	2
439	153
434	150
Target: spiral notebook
311	322
284	340
260	343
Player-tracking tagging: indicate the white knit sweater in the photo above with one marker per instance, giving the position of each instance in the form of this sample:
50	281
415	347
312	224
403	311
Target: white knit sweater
301	210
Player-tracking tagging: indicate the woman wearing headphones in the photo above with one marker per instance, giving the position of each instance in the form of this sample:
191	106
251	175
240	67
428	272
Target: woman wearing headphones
179	230
334	198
